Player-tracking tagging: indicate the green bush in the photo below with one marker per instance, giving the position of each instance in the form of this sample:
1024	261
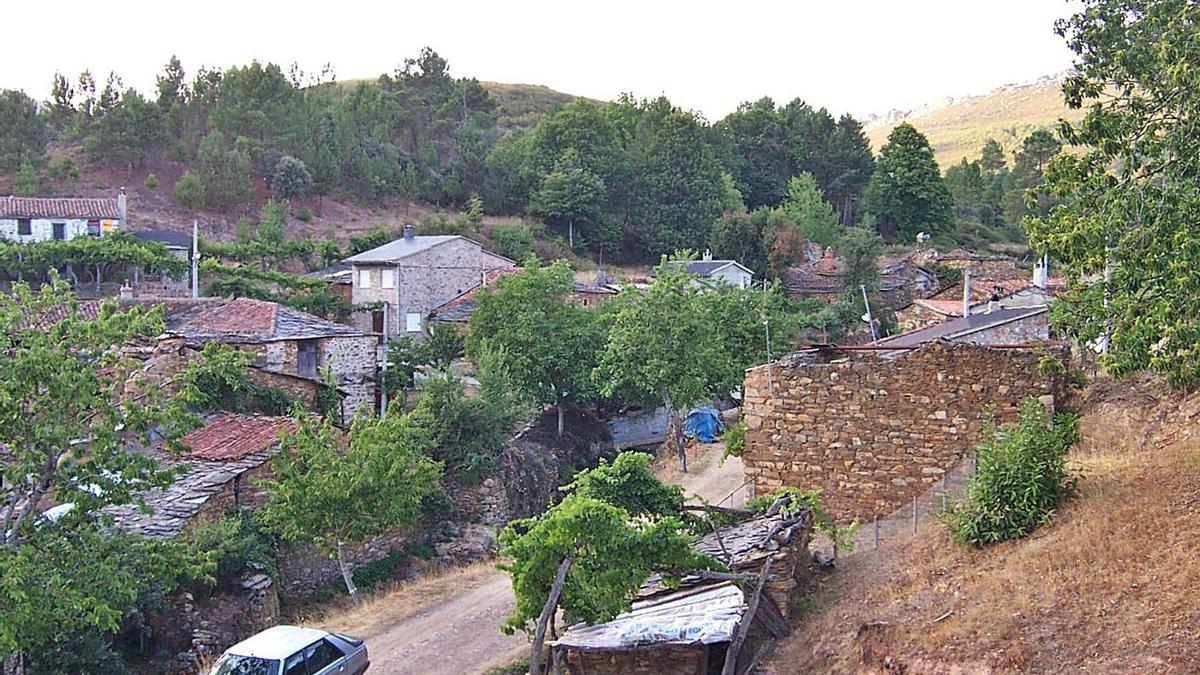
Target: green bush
243	547
1022	477
151	181
735	440
62	168
513	241
189	191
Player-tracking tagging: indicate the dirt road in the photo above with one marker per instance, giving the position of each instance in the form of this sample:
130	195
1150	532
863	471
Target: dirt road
449	625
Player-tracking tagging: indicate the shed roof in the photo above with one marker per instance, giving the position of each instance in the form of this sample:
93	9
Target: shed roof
58	207
699	616
961	326
248	321
233	436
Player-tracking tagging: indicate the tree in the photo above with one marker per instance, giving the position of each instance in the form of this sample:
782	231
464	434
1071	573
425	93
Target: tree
807	208
71	405
1128	217
333	492
1035	154
223	170
736	235
188	191
549	345
468	433
290	179
128	132
859	248
588	557
991	158
629	483
23	132
906	194
965	181
26	182
662	346
569	195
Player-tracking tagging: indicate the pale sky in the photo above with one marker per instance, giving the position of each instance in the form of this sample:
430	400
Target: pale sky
858	56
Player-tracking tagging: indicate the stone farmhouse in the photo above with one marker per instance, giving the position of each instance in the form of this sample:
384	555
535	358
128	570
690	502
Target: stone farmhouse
289	342
30	219
729	272
901	279
413	275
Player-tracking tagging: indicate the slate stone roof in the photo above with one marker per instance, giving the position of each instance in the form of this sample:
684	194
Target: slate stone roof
56	207
459	308
824	275
705	268
250	321
166	237
337	273
222	450
961	326
401	248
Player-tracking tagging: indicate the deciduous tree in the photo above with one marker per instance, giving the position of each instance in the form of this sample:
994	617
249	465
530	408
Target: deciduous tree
906	194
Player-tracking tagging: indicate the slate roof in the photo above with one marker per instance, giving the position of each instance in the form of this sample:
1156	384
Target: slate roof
705	268
961	326
225	448
338	273
167	238
250	321
58	207
402	248
824	275
232	436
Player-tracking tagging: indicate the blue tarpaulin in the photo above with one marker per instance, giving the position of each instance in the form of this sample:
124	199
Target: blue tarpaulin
703	424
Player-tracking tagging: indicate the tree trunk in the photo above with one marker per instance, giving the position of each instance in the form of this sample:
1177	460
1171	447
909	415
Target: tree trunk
675	432
347	576
539	635
14	664
560	420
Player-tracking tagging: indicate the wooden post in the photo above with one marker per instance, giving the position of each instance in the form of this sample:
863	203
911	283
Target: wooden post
876	530
539	635
743	628
914	519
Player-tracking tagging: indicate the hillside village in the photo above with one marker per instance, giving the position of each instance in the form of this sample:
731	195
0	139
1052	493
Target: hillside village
429	374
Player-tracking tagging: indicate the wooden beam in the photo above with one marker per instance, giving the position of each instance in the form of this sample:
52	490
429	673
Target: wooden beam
730	667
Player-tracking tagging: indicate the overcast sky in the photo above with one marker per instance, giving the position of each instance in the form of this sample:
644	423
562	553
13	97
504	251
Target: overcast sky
858	56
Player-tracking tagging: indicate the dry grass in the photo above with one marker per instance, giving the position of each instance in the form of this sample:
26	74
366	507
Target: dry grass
1112	585
385	608
1007	115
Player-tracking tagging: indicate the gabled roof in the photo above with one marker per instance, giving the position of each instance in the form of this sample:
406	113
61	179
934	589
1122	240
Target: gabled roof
58	207
232	436
707	268
961	326
945	307
399	249
249	321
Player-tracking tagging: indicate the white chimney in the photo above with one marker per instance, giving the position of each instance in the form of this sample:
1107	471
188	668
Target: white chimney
966	308
121	208
409	233
1041	272
707	254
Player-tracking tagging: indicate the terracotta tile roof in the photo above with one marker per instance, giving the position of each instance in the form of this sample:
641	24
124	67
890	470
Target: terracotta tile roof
89	310
246	320
982	289
230	436
54	207
947	307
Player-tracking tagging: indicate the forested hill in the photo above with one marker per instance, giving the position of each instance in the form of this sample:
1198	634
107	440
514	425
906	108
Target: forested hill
959	128
623	181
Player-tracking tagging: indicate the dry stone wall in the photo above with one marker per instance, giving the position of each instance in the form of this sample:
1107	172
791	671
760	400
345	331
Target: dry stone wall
873	430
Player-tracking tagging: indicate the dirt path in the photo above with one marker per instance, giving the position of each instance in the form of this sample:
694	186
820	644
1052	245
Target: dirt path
450	624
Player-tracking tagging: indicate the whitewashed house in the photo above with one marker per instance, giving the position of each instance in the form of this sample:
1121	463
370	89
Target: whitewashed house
726	272
30	219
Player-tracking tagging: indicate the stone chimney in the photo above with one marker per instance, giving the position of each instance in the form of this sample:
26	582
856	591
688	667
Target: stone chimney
828	261
122	211
409	233
126	292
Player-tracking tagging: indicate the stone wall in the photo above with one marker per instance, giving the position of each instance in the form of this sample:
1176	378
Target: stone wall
667	661
872	430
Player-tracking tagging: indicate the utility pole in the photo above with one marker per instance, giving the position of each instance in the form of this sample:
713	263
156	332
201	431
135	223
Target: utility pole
870	318
195	259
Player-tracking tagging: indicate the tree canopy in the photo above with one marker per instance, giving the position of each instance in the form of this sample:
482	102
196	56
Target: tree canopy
906	194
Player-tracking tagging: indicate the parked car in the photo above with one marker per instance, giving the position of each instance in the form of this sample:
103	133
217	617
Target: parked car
291	650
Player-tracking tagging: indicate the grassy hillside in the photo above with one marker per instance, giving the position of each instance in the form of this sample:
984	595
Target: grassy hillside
1008	114
1110	585
522	105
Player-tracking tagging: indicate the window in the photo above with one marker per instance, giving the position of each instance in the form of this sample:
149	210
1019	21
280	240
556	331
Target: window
412	322
24	227
94	227
321	655
387	278
60	231
306	358
294	664
232	664
364	278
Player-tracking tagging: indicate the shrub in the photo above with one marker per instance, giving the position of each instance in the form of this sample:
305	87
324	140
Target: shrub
151	181
469	433
189	192
513	241
242	546
290	179
304	214
62	168
1022	477
25	182
735	440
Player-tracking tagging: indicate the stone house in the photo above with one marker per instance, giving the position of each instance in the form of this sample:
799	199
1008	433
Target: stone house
413	275
30	219
983	295
457	310
901	278
990	266
289	342
873	429
727	272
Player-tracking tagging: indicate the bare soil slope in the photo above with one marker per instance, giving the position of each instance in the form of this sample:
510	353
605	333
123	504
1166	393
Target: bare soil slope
1112	585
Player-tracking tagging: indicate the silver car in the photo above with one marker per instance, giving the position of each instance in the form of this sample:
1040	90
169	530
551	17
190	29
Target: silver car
290	650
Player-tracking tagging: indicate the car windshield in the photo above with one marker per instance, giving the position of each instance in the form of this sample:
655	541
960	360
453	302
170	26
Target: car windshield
232	664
